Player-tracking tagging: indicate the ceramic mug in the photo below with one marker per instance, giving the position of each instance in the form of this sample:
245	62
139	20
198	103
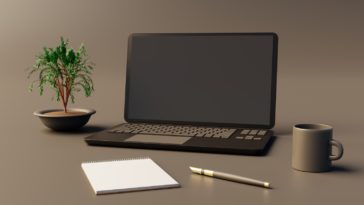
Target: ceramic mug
312	147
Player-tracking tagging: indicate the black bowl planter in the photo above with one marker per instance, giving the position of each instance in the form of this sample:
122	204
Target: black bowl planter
57	120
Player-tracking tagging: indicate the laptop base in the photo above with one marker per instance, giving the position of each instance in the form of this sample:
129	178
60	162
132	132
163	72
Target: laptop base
238	143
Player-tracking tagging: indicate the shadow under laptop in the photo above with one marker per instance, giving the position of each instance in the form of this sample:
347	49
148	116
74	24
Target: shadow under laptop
267	149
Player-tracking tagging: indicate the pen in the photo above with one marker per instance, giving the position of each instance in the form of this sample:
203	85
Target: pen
230	177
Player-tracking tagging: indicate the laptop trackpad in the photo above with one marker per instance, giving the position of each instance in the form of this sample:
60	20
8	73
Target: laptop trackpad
159	139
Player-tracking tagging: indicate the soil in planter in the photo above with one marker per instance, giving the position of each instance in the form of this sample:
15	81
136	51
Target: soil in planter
62	113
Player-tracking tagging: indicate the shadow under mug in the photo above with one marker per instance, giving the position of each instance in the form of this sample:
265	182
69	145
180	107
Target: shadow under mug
312	147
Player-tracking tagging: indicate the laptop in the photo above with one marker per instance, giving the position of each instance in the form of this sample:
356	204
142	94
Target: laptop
203	92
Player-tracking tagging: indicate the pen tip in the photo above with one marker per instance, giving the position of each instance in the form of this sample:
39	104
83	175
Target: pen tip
195	170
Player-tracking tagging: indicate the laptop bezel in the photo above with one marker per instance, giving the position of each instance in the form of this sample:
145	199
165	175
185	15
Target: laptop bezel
210	124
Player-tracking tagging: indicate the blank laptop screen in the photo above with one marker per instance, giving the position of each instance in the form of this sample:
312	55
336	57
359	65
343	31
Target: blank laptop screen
197	78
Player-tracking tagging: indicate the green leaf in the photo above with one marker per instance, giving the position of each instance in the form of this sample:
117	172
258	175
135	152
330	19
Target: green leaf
71	68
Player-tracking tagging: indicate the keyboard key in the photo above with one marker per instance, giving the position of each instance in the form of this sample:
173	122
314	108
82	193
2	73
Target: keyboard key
249	137
199	135
262	132
126	131
208	135
225	135
257	138
239	137
253	132
244	132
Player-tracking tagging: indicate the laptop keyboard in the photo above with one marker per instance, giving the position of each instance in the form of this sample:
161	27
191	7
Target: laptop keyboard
177	130
185	130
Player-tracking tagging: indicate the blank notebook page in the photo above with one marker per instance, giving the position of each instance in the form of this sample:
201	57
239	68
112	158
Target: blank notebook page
126	175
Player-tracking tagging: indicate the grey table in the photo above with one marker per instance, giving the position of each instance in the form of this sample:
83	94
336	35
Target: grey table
320	79
39	166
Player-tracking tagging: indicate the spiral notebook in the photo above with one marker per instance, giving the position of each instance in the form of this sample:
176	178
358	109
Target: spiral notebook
127	175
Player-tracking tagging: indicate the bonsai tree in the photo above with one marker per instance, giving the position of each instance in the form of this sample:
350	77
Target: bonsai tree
64	70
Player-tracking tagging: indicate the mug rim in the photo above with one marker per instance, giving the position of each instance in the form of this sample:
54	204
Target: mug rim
312	126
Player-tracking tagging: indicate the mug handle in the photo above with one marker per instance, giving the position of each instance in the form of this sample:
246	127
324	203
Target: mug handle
339	147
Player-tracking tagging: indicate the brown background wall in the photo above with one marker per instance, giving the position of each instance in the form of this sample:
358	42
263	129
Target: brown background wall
312	33
318	39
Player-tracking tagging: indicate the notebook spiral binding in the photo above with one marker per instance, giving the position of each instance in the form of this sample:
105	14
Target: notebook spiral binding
118	160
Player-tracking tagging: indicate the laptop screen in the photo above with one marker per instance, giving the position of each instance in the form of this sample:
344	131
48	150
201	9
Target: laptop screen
207	79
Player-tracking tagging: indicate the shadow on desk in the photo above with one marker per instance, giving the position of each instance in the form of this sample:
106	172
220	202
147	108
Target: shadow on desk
88	129
345	169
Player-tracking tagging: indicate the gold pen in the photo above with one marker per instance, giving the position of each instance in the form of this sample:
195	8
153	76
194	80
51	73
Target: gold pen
230	177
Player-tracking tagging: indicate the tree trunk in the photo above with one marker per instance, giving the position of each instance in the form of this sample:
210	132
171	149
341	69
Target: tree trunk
65	108
62	93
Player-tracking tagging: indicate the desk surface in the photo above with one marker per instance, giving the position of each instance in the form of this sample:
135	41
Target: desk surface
39	166
320	79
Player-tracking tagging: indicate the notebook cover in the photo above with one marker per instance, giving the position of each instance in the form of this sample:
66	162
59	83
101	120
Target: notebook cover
127	175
